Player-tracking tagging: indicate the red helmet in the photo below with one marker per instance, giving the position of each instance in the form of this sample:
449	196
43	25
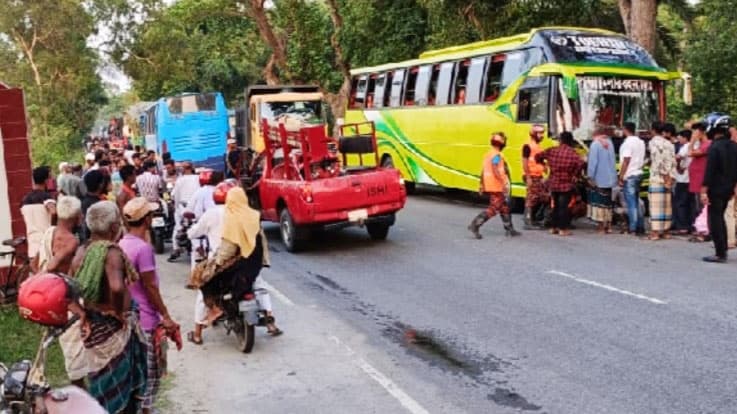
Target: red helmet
205	176
221	191
44	298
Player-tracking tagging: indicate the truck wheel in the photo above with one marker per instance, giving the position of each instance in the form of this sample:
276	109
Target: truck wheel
289	231
378	231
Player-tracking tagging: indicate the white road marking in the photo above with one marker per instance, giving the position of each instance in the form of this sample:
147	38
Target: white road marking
277	294
608	287
392	388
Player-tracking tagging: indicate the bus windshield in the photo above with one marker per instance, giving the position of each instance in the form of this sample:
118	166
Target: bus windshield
608	103
191	103
306	112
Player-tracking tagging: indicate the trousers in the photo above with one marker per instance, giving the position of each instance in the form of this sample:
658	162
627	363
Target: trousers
717	225
561	213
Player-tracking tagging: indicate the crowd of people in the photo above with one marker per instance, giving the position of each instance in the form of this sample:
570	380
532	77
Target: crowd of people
93	223
691	183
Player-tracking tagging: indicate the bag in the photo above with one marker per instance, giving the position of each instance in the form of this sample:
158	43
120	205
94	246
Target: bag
205	270
702	224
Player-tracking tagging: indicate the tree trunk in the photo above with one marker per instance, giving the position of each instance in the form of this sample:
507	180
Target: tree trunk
625	10
339	101
639	17
278	59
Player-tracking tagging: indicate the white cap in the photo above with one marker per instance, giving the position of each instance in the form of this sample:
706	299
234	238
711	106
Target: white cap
89	157
63	165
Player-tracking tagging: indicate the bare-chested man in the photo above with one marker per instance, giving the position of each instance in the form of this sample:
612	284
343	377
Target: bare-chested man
113	355
59	244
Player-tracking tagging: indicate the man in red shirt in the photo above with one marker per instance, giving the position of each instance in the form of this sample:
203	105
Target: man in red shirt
565	168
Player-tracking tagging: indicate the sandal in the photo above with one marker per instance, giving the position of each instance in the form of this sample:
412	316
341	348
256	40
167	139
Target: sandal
275	332
191	338
653	237
564	233
666	236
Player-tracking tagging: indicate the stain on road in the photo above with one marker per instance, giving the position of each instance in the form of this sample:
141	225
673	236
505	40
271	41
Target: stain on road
507	398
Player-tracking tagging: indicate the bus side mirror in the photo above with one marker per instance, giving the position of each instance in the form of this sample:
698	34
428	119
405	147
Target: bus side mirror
687	91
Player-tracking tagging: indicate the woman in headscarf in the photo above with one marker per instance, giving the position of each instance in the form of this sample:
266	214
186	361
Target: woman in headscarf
242	253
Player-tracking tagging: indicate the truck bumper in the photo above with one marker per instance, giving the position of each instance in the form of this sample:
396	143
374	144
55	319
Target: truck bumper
387	219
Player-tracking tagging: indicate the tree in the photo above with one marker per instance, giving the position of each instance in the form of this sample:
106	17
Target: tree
44	50
710	55
193	46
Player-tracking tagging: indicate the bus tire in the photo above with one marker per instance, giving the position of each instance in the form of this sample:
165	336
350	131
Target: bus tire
290	234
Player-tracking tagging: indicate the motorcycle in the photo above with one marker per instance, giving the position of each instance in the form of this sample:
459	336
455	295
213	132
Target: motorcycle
24	389
159	228
242	315
182	240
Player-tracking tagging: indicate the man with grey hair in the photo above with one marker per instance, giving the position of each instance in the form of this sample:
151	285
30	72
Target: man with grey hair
113	353
59	244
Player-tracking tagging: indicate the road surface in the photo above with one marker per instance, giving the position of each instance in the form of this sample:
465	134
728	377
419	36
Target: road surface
433	321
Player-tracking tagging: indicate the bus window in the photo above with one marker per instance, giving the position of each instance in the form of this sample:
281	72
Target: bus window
361	91
433	92
519	62
388	88
409	87
475	79
445	80
397	84
352	98
459	92
493	86
422	85
533	100
370	91
380	90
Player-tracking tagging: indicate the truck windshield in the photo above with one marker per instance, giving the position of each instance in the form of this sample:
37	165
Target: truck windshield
307	112
608	103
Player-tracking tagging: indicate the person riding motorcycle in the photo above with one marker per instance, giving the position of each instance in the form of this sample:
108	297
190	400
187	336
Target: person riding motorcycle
233	229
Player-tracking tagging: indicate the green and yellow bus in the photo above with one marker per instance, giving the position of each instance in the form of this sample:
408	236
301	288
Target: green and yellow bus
434	115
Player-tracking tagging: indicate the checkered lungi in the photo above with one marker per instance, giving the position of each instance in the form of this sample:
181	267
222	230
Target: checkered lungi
497	205
154	371
661	210
537	193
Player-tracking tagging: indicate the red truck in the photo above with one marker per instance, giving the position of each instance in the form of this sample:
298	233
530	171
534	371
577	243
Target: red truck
306	183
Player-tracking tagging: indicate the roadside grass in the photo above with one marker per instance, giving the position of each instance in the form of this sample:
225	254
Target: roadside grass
19	340
163	403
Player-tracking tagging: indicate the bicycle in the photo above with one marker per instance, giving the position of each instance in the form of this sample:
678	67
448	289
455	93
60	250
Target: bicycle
18	272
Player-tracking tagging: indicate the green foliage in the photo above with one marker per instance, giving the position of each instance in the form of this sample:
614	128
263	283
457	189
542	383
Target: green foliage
193	46
20	340
44	50
711	56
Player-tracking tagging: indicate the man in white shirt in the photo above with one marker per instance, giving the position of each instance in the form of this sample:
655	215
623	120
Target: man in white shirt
683	215
632	159
202	199
209	225
184	189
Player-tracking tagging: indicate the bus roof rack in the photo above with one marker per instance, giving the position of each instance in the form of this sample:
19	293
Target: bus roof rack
272	89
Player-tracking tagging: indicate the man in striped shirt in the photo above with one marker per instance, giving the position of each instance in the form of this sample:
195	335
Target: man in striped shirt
149	183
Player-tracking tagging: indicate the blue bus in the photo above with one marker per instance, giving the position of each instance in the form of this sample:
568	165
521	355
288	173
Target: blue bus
192	127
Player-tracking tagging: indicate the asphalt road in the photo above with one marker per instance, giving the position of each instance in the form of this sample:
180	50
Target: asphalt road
432	320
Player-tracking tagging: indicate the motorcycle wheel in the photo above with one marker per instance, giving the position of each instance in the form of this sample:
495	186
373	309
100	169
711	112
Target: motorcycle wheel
246	335
158	243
